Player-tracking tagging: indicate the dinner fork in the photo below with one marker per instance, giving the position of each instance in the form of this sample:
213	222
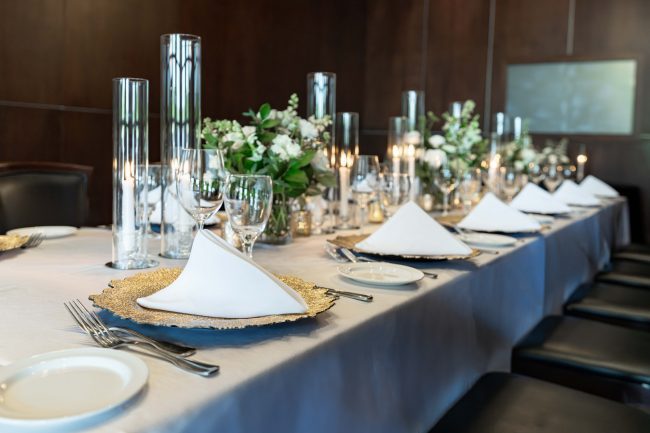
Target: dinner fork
34	240
108	339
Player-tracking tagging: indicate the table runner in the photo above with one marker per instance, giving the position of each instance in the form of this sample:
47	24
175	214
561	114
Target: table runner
395	365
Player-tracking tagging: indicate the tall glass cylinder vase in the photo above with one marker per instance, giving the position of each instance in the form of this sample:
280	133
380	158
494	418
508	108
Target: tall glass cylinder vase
501	127
413	109
347	144
321	102
180	127
130	165
397	128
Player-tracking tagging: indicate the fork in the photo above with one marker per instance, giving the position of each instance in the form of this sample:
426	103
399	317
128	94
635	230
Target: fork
108	339
34	240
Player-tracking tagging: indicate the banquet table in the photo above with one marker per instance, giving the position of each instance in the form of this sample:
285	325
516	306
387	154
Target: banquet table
393	365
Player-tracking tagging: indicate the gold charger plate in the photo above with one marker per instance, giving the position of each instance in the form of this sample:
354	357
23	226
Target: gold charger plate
120	298
11	242
452	221
350	242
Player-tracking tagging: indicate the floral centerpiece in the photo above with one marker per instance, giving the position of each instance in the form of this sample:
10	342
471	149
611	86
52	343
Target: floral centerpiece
461	145
279	144
554	153
520	152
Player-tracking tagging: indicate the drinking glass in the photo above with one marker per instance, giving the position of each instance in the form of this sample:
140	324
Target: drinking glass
446	180
200	181
552	177
249	199
395	189
469	187
364	181
510	182
153	197
535	172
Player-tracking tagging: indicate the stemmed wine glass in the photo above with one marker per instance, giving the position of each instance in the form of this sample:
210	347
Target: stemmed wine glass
510	182
364	181
249	199
200	182
446	180
535	172
469	187
552	177
395	189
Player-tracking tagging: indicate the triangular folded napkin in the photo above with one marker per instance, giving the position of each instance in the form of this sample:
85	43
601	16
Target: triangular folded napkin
219	281
493	215
570	193
411	231
597	187
534	199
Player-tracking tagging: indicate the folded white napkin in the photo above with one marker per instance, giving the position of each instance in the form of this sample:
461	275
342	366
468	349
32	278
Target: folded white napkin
493	215
219	281
537	200
597	187
411	231
570	193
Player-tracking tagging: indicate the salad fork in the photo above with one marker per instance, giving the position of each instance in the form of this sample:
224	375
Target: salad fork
109	339
34	240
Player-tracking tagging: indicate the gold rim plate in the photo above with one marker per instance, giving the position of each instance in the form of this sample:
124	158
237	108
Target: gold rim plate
121	295
12	242
350	242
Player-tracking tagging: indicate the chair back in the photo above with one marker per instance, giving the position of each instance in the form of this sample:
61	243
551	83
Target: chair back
43	194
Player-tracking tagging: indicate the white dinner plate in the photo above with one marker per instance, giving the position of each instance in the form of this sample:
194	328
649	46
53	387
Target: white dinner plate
67	386
380	273
542	219
50	232
487	239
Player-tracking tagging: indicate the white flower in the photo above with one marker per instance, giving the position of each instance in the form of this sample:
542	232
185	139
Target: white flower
436	140
307	129
528	155
258	152
519	165
285	148
435	158
250	134
319	162
236	138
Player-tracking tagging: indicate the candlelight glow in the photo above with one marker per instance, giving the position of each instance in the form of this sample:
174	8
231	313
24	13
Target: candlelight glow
397	151
581	159
410	151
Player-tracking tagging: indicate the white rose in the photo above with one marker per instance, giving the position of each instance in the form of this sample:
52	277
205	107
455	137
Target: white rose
436	140
250	132
412	137
307	129
519	165
258	152
435	158
528	155
285	148
320	161
237	139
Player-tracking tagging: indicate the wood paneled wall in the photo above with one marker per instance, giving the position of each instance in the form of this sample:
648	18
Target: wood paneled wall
57	59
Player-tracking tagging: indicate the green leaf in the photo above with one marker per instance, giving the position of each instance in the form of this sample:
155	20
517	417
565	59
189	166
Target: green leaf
296	177
306	158
270	123
264	111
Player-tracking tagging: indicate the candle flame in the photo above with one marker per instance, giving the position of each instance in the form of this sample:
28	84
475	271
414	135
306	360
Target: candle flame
581	159
397	151
410	151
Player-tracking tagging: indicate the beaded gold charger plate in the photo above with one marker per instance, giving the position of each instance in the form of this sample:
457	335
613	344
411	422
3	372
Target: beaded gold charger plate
11	242
452	221
350	242
120	298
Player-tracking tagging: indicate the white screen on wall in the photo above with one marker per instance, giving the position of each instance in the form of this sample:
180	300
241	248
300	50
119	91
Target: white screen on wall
591	97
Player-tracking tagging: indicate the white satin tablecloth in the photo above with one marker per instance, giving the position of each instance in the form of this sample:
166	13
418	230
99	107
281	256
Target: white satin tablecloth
394	365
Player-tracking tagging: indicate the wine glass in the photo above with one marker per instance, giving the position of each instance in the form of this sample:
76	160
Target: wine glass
446	180
552	177
469	187
364	181
395	189
535	172
249	199
510	182
153	196
200	181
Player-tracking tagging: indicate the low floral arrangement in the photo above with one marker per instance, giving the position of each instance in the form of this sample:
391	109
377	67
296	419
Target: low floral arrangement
279	144
554	153
519	153
461	146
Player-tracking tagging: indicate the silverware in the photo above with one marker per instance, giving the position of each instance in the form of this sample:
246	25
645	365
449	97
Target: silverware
352	295
333	253
357	259
109	339
34	240
174	348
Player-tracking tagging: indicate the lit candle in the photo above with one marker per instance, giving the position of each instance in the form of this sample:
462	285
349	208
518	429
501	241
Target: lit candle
344	181
582	160
128	208
397	157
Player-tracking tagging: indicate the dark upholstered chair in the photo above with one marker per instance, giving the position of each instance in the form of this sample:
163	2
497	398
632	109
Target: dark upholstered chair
599	358
507	403
627	272
611	303
43	193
